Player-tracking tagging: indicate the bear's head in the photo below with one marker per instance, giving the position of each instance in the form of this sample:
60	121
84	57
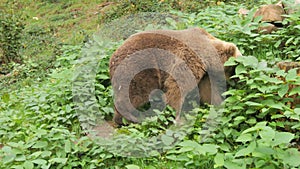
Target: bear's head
225	51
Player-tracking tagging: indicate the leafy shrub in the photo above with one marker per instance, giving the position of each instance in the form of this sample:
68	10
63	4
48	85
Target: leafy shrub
11	27
267	127
224	22
257	127
39	126
288	37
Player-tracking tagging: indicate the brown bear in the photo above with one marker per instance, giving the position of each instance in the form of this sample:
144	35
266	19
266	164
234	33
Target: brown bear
169	64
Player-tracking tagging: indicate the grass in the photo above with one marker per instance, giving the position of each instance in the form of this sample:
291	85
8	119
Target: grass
68	18
48	27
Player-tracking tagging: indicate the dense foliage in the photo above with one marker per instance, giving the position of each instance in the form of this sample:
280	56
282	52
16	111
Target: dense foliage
257	127
11	27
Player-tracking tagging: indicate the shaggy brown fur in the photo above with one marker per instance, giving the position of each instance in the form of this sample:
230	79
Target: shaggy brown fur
175	62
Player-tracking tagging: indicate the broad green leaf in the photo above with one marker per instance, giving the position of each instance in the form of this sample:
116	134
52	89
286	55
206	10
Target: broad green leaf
46	154
232	165
250	103
6	149
263	88
295	90
246	151
263	65
41	132
276	116
180	157
16	145
239	118
8	158
282	138
67	146
244	138
219	160
297	26
291	157
291	76
28	165
267	134
275	80
209	148
283	90
251	121
230	62
257	127
17	167
35	154
240	69
68	108
262	151
185	149
248	60
260	163
225	147
270	103
297	111
103	76
227	131
40	144
281	73
167	140
20	157
58	160
132	166
171	157
39	161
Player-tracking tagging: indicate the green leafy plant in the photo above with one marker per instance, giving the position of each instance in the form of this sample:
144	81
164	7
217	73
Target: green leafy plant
288	38
11	27
265	129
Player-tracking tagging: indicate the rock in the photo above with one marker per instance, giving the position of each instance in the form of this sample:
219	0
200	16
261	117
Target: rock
271	14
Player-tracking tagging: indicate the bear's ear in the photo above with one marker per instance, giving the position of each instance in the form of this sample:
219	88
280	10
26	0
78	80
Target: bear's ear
227	50
230	50
237	52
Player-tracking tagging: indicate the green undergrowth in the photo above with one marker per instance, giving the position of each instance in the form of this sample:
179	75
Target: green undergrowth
40	128
257	127
223	22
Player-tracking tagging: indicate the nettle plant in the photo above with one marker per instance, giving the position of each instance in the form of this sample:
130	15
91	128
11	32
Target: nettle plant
224	22
259	118
289	37
258	127
11	27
